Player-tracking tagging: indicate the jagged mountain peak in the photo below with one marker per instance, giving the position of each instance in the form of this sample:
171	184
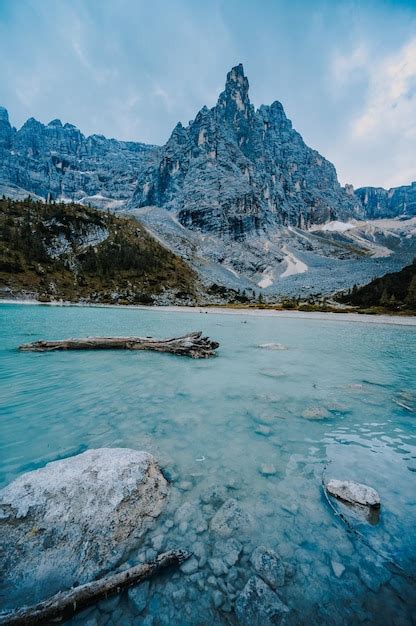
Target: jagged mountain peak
235	94
56	123
235	170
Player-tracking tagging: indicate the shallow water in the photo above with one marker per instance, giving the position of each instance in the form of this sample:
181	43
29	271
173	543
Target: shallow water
222	423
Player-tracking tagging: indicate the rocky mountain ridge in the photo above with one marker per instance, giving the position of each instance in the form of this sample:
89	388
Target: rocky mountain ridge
232	170
395	202
237	194
56	161
235	170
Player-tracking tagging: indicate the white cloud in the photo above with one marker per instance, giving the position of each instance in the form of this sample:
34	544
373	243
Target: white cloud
390	106
378	144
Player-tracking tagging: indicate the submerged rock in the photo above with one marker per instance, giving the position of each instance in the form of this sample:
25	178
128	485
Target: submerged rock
258	605
338	568
72	520
137	596
230	518
267	469
354	493
316	413
269	566
273	346
190	566
272	373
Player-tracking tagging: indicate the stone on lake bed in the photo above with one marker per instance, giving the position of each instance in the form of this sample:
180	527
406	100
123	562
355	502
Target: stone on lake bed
264	430
190	566
272	373
137	596
72	520
267	469
354	493
269	566
316	413
258	605
338	568
273	346
229	519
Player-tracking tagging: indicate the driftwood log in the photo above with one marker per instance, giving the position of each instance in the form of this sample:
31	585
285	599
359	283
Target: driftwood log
66	603
193	345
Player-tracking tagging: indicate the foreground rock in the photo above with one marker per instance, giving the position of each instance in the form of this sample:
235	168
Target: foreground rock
354	493
258	605
72	520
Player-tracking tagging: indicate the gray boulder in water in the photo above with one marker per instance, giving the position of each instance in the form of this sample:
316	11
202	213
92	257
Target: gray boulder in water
354	493
258	605
72	520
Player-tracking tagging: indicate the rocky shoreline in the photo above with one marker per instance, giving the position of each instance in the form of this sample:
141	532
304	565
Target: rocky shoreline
399	320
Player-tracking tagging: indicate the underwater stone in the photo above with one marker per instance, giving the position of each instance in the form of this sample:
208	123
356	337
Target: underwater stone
258	605
267	469
232	550
230	518
218	567
137	596
215	495
337	568
316	413
263	430
179	595
217	599
157	542
269	566
190	566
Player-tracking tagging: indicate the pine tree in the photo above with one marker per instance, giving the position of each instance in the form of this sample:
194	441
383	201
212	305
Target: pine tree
385	298
411	294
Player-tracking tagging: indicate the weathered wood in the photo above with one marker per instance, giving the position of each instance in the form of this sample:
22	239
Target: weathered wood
193	345
66	603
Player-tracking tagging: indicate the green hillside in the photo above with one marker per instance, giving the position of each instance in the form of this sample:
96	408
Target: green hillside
395	291
71	252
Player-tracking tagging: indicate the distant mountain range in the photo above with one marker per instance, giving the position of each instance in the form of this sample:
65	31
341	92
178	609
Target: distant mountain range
237	193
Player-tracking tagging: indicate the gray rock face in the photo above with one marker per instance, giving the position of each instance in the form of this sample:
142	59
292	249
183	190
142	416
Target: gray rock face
258	605
355	493
73	519
234	170
57	161
397	201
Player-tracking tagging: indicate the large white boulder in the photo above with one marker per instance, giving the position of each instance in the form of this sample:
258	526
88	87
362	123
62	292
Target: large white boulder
354	493
74	519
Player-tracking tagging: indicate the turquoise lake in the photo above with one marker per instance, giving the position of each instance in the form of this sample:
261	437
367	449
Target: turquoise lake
260	424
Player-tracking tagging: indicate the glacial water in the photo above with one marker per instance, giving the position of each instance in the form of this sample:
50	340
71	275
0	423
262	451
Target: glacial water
241	425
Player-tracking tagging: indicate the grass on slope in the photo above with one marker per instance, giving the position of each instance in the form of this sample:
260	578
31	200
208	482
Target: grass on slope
72	252
392	292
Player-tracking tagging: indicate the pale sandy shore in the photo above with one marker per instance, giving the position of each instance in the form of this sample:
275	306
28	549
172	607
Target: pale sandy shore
396	320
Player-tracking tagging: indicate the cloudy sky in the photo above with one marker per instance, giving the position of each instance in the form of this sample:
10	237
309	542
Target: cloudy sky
345	70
